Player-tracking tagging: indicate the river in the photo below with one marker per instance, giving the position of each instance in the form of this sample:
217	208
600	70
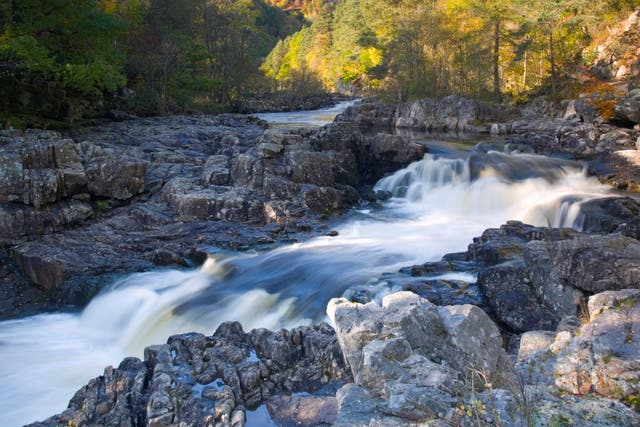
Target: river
439	204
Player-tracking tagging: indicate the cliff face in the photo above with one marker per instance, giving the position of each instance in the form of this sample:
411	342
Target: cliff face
618	58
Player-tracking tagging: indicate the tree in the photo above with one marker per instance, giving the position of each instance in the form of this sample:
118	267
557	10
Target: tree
58	57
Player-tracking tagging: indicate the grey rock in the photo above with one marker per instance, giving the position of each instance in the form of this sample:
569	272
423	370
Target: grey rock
533	277
603	357
216	170
120	178
408	356
198	380
451	113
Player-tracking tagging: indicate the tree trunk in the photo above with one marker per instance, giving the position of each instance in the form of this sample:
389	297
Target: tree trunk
497	93
554	72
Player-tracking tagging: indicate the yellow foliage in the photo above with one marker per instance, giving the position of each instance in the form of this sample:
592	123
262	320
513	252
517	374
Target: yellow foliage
602	96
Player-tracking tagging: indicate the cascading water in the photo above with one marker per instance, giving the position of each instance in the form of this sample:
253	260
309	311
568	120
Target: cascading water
438	206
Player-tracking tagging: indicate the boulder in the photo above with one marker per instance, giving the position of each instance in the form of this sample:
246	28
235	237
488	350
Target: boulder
532	277
604	356
409	357
619	169
451	113
611	215
216	170
120	178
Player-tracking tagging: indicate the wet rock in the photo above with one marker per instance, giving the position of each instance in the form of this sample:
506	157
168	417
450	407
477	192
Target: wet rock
611	215
619	169
394	149
303	410
111	398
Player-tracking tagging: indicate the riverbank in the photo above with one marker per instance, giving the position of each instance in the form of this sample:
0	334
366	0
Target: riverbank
268	187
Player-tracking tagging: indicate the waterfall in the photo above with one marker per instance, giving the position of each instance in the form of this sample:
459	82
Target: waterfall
438	205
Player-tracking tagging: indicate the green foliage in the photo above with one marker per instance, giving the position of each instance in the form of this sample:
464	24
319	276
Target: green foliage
57	58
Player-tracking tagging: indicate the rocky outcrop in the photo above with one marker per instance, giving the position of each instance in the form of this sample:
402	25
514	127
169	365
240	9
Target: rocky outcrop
570	137
405	362
409	358
155	191
216	380
620	169
603	356
597	355
452	113
617	56
532	277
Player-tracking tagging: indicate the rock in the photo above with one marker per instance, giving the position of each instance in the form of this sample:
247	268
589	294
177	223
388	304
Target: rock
120	178
324	199
473	341
604	356
619	169
611	215
42	271
37	172
191	202
366	115
310	167
532	277
303	410
534	343
18	220
614	61
216	171
452	113
198	380
408	357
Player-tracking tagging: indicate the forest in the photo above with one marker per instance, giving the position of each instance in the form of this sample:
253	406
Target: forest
62	60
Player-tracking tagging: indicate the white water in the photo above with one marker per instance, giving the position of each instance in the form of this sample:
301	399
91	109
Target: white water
438	208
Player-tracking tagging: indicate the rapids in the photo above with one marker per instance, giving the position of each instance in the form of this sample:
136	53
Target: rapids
439	204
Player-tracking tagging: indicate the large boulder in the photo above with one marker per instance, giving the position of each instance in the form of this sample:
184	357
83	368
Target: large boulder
532	277
409	358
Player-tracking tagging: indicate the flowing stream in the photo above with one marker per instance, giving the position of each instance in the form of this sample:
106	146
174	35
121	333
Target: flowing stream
439	204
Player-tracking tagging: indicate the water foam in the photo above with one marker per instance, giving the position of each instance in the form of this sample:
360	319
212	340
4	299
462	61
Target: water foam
439	205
